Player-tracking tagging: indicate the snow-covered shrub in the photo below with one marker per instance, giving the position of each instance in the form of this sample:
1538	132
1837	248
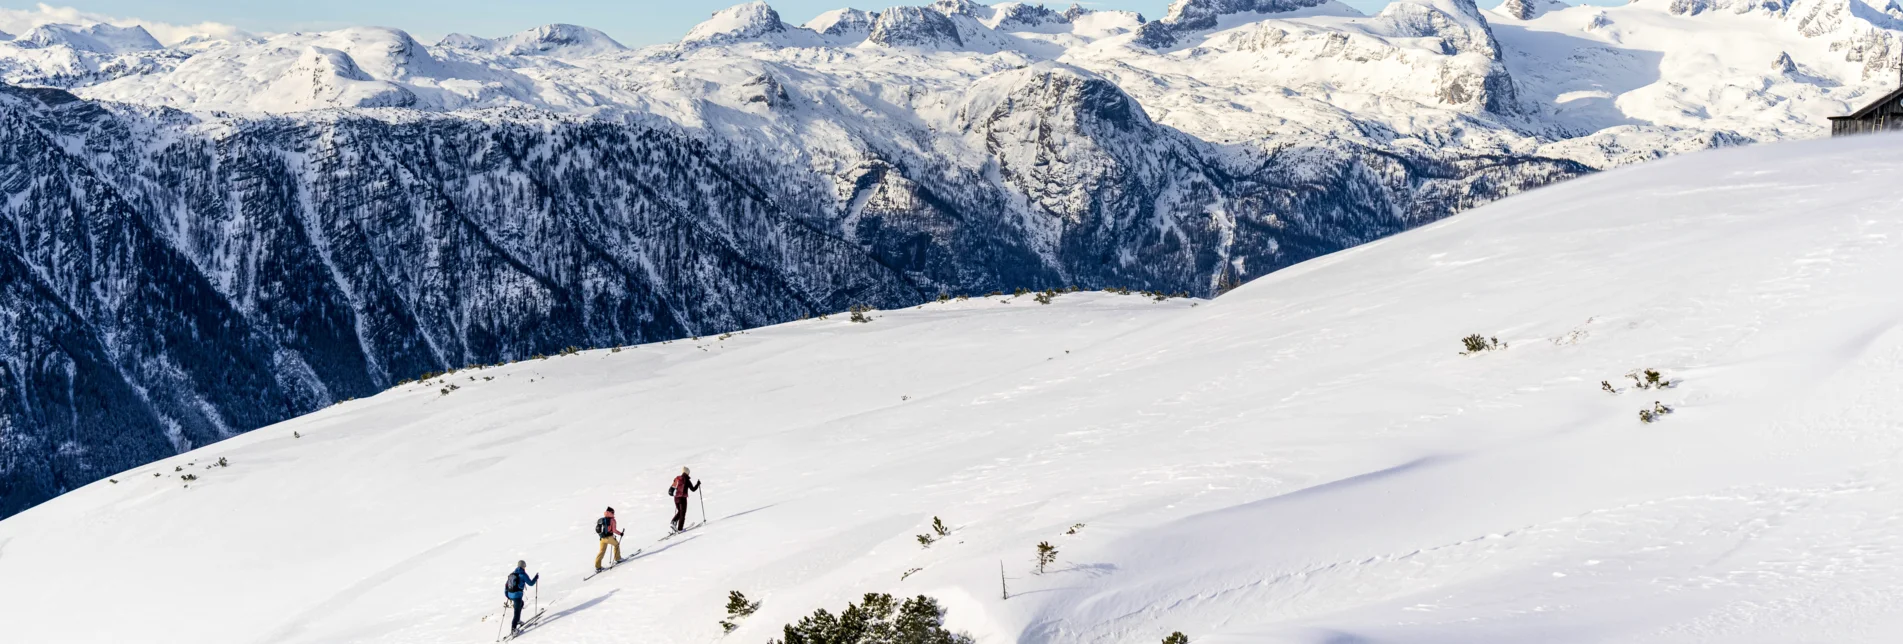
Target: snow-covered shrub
877	619
1176	638
737	608
1650	379
1476	343
1046	555
1658	410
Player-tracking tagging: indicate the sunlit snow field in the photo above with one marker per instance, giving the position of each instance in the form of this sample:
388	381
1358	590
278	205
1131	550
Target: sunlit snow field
1307	459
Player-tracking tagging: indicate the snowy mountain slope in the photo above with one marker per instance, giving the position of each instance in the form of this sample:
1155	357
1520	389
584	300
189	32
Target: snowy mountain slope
98	38
885	184
563	41
955	147
1307	459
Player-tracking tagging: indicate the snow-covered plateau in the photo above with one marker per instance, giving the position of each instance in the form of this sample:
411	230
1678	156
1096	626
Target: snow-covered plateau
1313	457
203	231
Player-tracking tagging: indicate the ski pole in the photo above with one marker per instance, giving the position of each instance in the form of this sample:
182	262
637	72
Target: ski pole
703	505
502	619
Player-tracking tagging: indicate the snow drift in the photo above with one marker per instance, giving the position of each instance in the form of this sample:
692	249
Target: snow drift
1311	458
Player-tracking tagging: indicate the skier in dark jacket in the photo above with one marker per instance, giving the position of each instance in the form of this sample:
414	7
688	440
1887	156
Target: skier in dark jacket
512	589
682	485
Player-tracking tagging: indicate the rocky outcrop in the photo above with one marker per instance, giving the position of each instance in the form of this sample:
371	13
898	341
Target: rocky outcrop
916	27
751	21
1187	16
1529	9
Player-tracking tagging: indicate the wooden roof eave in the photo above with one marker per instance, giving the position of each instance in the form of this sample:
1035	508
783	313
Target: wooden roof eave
1872	107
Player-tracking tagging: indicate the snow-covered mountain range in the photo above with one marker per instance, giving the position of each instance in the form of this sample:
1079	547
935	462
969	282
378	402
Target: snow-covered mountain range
223	231
1309	459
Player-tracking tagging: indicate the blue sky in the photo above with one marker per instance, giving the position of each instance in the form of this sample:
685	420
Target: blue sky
633	22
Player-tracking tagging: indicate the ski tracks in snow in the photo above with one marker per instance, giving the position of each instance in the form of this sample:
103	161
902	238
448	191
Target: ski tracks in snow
295	626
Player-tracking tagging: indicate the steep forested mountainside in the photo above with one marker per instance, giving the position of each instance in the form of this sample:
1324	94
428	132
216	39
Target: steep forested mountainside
204	236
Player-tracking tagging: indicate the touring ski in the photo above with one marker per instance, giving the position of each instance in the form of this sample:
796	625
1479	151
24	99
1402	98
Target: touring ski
527	624
670	535
611	566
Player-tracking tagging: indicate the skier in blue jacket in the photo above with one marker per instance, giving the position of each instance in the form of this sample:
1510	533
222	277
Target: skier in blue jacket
513	588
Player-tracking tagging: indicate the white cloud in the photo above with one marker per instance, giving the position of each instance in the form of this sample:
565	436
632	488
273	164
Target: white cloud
18	21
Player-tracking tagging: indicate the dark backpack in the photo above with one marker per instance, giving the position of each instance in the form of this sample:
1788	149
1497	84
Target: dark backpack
601	528
514	584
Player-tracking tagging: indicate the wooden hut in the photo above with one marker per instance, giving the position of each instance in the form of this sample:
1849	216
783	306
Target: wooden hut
1882	115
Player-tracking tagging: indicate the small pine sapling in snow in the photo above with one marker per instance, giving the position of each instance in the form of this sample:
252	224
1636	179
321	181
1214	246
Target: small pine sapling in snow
1176	638
1658	381
925	541
908	573
939	527
1476	343
1658	411
1044	298
1607	386
944	297
737	608
878	617
1074	528
222	463
189	477
1046	555
859	313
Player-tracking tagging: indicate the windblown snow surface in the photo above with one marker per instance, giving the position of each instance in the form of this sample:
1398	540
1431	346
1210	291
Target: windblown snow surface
1307	459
